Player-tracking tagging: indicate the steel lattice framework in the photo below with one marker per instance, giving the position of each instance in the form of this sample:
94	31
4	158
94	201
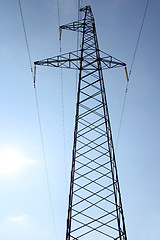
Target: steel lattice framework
95	206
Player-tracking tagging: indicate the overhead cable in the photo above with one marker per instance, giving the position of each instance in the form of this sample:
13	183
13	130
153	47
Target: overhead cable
62	101
25	34
39	121
139	35
132	63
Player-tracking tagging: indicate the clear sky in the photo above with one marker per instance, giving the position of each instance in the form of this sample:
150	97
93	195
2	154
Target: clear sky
25	210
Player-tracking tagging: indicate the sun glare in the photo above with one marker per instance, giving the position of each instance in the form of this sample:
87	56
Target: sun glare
11	161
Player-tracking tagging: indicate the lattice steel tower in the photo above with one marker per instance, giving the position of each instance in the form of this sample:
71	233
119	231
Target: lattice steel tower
95	206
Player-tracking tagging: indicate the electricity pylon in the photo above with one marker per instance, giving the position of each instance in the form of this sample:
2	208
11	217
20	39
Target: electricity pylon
95	206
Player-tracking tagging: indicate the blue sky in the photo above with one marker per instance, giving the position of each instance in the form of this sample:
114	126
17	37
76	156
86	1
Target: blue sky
24	205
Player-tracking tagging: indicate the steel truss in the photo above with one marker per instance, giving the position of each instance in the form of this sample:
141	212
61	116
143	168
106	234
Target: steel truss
95	206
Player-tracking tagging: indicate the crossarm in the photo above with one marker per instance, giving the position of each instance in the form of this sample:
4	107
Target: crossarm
74	26
72	60
68	60
106	63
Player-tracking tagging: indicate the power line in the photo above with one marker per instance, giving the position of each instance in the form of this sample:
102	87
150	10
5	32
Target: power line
62	102
39	120
138	37
58	8
122	113
132	63
25	34
45	162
